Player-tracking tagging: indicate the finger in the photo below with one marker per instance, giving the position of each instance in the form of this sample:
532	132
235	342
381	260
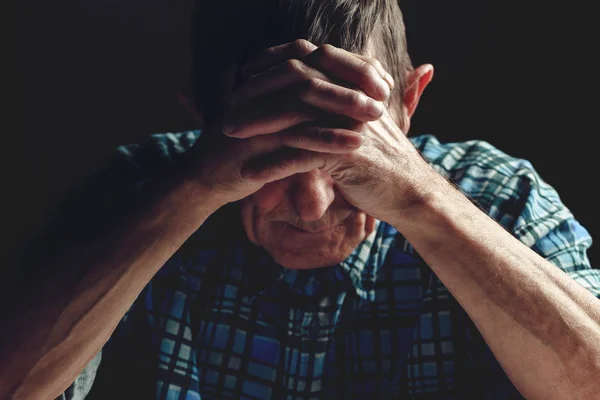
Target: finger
352	69
287	73
340	100
265	117
313	138
298	49
312	100
282	163
363	72
321	139
273	56
379	67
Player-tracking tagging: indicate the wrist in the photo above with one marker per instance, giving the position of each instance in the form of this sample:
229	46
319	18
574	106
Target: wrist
191	195
181	199
433	201
417	197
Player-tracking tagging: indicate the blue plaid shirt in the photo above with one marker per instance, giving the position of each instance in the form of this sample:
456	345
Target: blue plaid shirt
222	320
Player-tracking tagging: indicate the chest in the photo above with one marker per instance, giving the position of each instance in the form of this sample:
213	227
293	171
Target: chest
279	345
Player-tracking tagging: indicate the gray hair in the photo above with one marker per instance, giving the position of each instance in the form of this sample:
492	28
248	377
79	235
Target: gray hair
230	31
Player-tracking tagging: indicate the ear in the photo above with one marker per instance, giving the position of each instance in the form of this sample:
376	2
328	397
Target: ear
418	79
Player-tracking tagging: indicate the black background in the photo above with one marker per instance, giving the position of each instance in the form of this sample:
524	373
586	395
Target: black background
91	75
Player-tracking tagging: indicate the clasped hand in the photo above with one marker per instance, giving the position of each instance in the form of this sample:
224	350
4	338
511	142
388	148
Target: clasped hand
304	107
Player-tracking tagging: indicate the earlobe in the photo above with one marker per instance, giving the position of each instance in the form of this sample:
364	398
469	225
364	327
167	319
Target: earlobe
418	80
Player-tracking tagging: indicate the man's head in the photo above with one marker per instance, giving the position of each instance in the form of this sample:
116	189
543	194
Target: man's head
226	33
302	221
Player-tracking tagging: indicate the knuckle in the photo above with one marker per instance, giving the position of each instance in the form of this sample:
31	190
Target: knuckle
324	53
357	100
310	86
314	83
296	138
294	66
302	140
327	136
367	71
327	50
286	163
271	51
302	46
375	63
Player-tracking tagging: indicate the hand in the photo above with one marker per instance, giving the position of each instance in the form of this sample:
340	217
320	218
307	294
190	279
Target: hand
303	83
383	177
216	161
219	165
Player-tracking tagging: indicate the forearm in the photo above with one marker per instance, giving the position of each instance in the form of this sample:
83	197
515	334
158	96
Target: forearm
543	327
64	323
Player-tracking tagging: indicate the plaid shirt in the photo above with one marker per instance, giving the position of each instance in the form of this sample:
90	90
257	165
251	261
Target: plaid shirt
222	320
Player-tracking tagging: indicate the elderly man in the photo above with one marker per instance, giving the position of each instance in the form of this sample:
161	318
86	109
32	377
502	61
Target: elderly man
301	246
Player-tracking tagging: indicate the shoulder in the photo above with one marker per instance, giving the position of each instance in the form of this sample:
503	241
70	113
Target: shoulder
146	157
488	175
107	192
127	168
160	146
512	192
454	159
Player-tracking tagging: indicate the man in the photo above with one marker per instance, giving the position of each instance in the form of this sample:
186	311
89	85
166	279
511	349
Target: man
301	246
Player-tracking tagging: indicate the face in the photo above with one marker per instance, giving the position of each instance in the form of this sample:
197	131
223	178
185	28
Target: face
304	222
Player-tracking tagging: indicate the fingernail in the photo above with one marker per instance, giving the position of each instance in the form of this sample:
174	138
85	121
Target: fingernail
374	108
383	89
355	141
390	81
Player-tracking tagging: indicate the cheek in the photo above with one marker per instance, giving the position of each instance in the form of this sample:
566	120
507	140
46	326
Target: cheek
260	203
269	196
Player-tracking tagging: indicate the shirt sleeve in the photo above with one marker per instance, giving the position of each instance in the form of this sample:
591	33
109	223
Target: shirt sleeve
516	196
83	383
107	195
546	225
512	192
104	196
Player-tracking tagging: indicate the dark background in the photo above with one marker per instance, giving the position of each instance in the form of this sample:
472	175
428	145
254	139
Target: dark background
91	75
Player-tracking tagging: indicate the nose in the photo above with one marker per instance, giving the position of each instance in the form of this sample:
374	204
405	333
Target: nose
312	194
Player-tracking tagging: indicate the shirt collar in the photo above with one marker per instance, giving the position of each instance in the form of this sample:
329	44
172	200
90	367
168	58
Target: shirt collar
256	271
365	262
